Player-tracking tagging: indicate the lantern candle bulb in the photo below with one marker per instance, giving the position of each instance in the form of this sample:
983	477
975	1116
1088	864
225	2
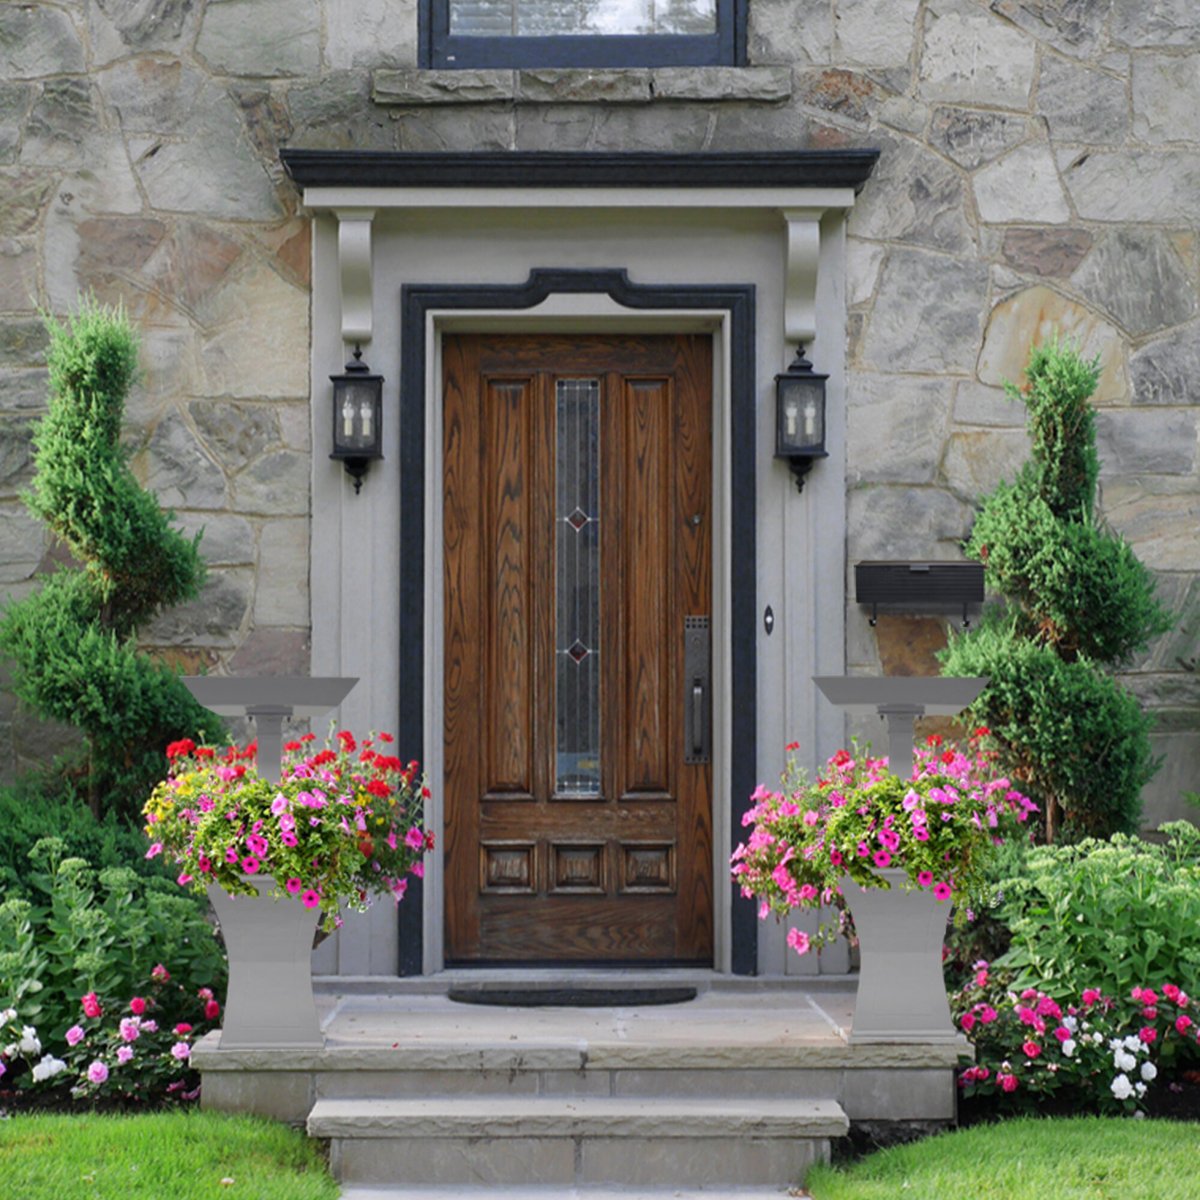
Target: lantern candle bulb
365	415
810	420
347	418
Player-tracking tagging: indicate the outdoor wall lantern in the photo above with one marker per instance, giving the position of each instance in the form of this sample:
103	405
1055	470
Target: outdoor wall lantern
800	417
357	417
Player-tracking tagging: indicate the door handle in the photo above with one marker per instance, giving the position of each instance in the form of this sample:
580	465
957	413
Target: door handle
697	679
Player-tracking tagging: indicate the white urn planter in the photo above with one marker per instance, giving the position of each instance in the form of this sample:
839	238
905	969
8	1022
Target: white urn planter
901	991
269	945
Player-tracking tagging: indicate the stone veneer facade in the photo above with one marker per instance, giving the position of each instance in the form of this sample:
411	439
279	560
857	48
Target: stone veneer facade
1040	168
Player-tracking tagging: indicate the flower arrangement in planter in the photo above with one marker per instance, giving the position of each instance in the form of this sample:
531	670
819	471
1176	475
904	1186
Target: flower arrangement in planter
858	820
342	825
896	852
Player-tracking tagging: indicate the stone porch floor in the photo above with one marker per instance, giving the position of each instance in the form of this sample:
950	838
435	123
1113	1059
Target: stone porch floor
769	1037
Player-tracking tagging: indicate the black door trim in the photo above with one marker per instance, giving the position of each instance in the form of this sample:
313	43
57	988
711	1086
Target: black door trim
416	300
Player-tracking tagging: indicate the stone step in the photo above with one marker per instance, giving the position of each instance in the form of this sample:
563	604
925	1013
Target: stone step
590	1140
559	1192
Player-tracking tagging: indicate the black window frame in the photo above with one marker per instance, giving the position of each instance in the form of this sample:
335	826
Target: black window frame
442	51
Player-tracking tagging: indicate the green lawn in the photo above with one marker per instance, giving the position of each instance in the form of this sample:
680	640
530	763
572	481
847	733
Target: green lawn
1083	1158
158	1156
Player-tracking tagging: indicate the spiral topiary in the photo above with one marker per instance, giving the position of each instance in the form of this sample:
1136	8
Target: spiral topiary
73	642
1077	602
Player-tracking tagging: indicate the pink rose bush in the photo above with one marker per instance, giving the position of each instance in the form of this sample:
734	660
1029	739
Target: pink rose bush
343	824
134	1048
1102	1054
939	826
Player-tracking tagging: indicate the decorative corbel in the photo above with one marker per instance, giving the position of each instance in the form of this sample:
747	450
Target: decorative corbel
800	280
354	273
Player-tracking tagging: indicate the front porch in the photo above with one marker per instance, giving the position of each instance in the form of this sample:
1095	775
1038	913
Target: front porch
744	1085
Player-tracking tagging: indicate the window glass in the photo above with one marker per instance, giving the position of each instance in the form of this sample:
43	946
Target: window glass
558	18
582	33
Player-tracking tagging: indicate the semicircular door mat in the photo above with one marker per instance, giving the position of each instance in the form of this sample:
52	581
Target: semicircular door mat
573	997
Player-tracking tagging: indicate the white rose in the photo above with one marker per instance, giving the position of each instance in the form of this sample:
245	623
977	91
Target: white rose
1068	1047
1149	1071
1134	1043
48	1068
1097	1038
1069	1023
9	1014
1122	1088
29	1043
1140	1089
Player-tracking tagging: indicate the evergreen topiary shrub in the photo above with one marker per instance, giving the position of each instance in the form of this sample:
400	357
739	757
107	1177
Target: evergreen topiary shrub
1077	602
73	643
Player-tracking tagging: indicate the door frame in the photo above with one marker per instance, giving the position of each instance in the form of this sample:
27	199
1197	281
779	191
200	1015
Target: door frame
602	302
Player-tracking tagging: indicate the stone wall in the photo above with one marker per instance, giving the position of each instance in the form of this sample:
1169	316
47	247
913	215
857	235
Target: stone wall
1040	170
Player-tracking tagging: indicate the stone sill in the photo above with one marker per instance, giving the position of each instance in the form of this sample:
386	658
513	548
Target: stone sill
412	88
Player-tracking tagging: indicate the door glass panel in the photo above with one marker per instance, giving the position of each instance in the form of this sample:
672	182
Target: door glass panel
577	587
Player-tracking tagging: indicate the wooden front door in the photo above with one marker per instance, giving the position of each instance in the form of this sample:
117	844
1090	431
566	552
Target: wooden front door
578	546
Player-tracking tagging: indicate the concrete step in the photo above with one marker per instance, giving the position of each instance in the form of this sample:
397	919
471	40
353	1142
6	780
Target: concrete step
668	1141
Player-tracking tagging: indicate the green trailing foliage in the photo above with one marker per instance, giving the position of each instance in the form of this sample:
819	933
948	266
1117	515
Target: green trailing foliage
73	643
1077	603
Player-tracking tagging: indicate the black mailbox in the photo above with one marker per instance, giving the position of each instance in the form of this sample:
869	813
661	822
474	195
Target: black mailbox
919	586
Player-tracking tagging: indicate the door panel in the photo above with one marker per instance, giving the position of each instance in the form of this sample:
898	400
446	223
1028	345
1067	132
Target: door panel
577	539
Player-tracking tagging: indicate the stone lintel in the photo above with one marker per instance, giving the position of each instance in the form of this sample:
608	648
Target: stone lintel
416	88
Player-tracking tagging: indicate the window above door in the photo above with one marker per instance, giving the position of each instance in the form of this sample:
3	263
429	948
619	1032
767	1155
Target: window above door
582	33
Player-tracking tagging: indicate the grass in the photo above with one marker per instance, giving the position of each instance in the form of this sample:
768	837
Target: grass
1078	1158
158	1156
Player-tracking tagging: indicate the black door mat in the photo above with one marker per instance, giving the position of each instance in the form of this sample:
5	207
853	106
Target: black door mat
572	997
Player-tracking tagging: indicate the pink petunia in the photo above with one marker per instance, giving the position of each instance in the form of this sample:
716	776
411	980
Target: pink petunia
798	940
154	850
882	858
250	864
942	891
925	878
414	839
293	885
311	899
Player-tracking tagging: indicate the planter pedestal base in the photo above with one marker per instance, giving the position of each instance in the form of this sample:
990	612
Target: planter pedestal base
901	991
269	943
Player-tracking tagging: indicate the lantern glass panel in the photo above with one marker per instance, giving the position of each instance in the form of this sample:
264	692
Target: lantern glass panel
801	416
356	415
